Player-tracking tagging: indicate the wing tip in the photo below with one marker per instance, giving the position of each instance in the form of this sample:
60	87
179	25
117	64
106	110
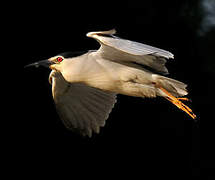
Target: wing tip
110	32
171	56
165	54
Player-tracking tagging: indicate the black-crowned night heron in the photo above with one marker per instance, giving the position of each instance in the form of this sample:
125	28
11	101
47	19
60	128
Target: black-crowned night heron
84	87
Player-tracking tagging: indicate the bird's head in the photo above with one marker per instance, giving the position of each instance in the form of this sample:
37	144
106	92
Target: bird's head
52	63
56	62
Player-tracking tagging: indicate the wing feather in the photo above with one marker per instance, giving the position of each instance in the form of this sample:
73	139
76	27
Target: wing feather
82	108
118	49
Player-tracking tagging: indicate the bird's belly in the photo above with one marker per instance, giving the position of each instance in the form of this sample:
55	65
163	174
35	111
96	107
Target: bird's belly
104	82
119	85
129	88
109	76
98	78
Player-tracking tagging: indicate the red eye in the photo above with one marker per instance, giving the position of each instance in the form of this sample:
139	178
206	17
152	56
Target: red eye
59	59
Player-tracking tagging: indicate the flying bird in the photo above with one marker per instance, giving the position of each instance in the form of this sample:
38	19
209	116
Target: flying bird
85	86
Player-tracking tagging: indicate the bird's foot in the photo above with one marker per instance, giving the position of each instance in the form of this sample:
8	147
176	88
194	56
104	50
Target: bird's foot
177	102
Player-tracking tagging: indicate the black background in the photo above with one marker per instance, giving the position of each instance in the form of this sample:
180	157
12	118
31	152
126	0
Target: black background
142	137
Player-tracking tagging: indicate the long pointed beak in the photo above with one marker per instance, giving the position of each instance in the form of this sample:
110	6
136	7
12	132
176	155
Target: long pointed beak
45	63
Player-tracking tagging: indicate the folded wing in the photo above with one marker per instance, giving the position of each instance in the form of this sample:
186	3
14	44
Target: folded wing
126	51
82	108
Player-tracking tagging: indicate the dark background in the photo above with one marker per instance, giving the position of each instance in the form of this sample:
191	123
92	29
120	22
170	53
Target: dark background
142	137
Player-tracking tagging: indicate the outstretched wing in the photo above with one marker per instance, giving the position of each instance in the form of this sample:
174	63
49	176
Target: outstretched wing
82	108
126	51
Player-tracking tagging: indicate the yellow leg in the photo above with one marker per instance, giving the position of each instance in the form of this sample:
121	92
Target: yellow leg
178	103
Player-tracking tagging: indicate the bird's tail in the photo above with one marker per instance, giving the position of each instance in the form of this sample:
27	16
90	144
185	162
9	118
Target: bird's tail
173	91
